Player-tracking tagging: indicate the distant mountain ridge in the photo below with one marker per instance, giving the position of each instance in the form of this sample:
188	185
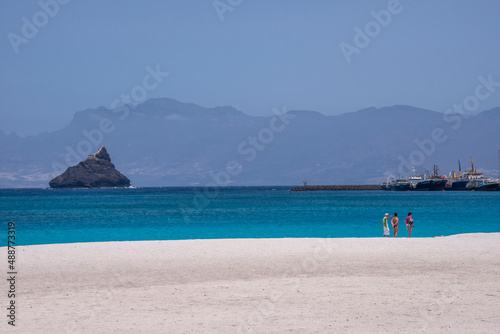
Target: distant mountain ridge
164	142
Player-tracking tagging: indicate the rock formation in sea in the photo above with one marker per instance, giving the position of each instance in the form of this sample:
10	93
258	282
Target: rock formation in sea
96	171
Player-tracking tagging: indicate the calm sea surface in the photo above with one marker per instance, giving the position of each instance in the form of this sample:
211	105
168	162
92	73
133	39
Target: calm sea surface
45	216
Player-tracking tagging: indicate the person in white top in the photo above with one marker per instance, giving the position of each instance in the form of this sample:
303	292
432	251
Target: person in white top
385	224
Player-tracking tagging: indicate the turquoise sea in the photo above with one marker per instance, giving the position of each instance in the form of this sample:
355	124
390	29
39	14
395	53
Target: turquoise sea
44	216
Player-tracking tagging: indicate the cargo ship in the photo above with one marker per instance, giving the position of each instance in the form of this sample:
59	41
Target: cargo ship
435	182
457	182
418	182
471	180
483	185
397	185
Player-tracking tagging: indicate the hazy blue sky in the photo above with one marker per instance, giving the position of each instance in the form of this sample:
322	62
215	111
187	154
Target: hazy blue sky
263	54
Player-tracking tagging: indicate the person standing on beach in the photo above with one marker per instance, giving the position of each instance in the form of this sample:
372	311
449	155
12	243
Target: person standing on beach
385	224
395	224
409	224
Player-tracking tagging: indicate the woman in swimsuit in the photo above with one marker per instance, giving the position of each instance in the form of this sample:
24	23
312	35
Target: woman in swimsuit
395	224
409	224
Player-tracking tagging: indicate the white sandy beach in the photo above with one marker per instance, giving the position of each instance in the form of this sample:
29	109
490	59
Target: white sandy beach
376	285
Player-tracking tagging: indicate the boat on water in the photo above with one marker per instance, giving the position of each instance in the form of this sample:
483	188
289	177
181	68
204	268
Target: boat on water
435	182
431	185
418	182
478	182
483	185
469	180
397	185
457	182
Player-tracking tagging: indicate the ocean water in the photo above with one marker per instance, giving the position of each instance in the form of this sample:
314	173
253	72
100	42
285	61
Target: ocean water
44	216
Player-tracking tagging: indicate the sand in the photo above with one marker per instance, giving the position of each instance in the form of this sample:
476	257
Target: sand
367	285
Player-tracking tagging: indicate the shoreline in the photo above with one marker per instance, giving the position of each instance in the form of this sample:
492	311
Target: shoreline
401	236
324	285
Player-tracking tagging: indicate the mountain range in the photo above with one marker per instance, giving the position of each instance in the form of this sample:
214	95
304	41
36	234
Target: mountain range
164	142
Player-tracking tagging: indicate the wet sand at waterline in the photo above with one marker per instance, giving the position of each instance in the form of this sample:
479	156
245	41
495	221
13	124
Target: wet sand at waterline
366	285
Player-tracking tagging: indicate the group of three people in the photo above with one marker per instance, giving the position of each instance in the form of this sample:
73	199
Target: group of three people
395	224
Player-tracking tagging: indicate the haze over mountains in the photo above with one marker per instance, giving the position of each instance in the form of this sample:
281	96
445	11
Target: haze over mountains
163	142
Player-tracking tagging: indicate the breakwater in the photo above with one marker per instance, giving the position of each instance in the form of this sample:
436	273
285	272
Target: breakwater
338	187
